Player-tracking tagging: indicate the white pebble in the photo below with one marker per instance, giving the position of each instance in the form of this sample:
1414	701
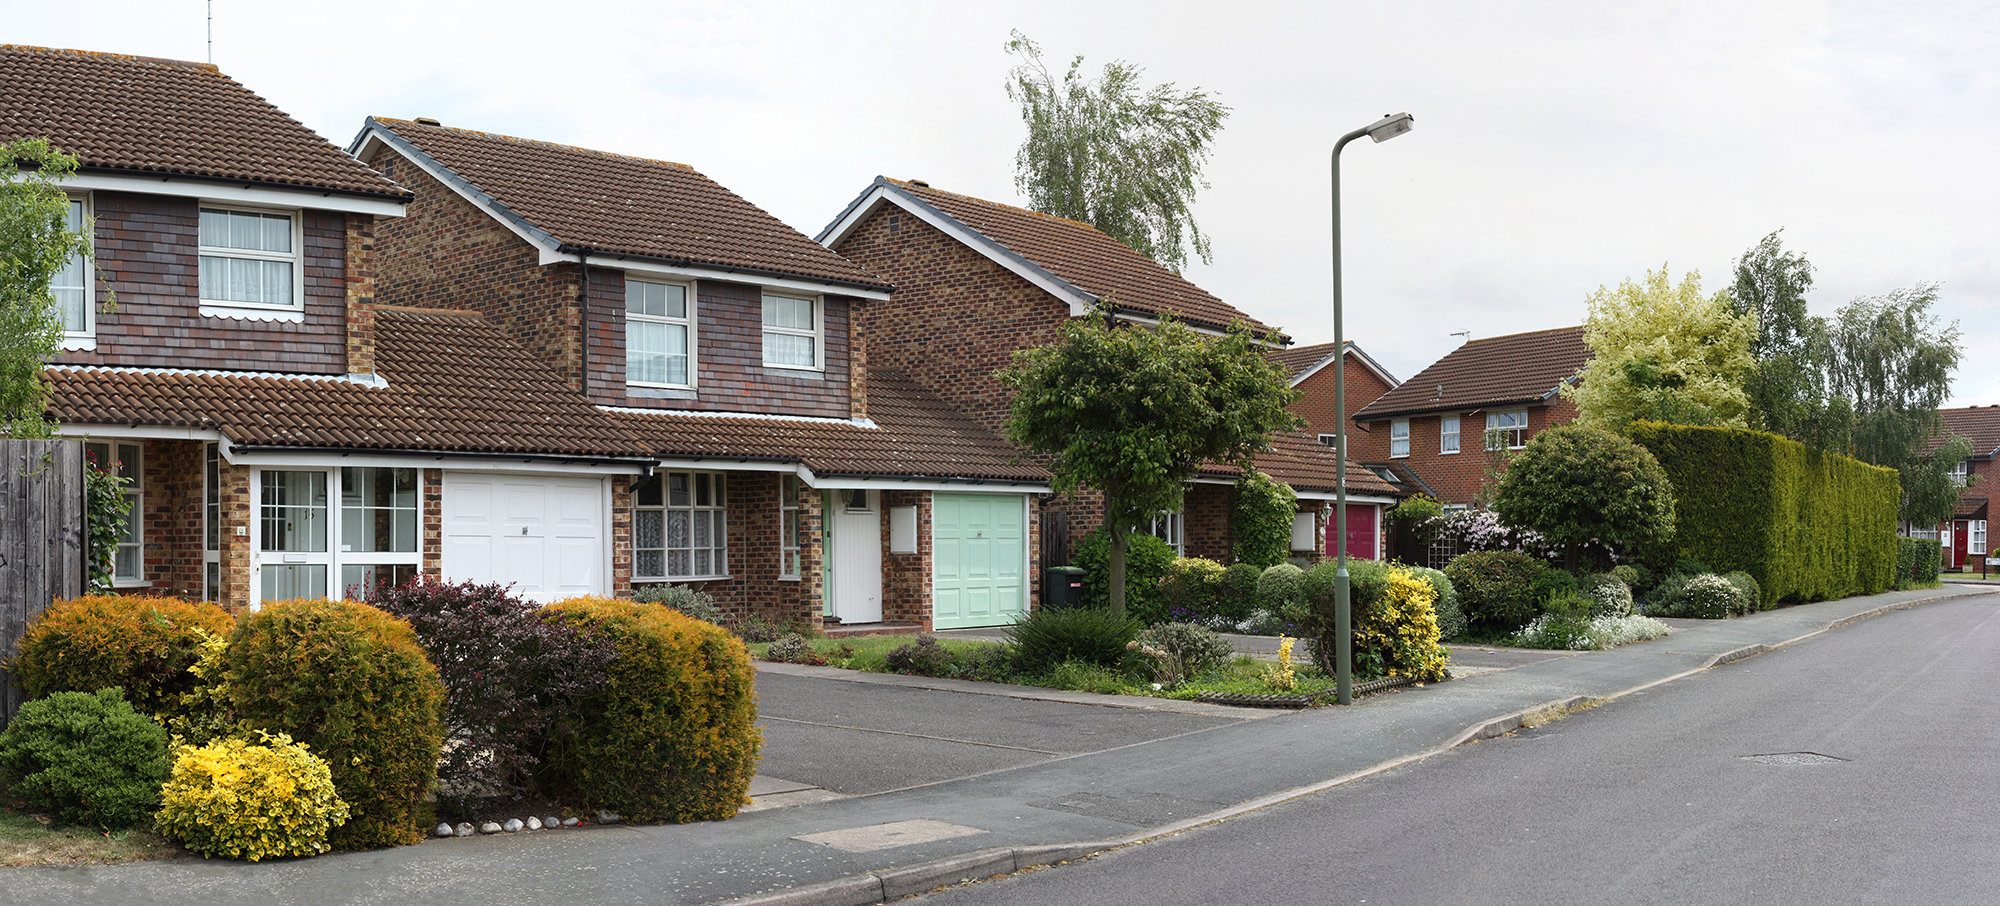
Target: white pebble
534	823
490	827
513	826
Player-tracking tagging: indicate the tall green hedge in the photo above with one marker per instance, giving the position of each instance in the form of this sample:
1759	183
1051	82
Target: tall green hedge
1807	525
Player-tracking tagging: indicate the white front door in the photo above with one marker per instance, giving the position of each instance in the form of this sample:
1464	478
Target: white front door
543	535
855	561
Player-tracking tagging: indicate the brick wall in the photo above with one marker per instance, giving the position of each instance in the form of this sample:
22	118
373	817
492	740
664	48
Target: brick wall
431	493
1316	407
907	590
752	522
148	255
1205	522
172	521
1456	477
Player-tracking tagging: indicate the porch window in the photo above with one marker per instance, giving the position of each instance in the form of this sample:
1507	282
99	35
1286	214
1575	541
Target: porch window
356	525
293	513
659	334
791	332
1168	527
1506	430
250	258
1448	434
1399	438
790	532
128	566
678	529
211	520
378	519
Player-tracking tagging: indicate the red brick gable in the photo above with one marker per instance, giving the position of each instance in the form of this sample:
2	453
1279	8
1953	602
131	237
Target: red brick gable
119	112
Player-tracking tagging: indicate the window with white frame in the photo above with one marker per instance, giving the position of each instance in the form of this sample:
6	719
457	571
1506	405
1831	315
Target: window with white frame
1960	472
71	285
250	258
1331	440
659	334
790	532
125	460
791	332
1399	438
1976	543
678	527
373	512
1167	527
211	523
1448	434
1507	430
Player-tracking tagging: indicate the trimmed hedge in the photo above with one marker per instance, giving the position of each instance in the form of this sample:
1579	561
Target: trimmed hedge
351	684
1918	560
674	736
142	645
87	757
1807	525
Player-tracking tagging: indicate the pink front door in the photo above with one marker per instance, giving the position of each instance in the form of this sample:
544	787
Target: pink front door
1360	532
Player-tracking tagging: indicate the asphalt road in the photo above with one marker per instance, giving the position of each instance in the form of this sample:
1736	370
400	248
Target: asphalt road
1858	766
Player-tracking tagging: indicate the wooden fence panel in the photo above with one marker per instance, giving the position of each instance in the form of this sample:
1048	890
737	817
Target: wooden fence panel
42	540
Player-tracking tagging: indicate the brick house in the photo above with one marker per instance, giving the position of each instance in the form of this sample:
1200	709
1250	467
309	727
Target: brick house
976	281
1503	390
1307	366
1964	537
787	478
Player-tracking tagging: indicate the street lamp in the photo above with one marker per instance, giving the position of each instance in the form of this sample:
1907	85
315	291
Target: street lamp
1388	127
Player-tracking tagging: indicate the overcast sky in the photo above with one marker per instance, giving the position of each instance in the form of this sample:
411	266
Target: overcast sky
1559	146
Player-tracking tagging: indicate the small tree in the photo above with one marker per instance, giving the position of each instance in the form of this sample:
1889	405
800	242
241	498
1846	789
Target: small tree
1575	485
1105	153
1262	522
1664	353
1134	410
36	244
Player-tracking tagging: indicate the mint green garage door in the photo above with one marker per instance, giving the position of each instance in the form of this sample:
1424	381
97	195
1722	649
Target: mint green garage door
980	548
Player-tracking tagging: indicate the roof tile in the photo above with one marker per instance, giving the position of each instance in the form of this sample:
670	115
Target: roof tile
1518	368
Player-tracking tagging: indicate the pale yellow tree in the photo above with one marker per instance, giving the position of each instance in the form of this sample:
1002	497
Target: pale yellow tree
1664	352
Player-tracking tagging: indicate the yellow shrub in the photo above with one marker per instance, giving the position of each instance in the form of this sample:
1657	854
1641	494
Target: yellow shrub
1404	629
244	800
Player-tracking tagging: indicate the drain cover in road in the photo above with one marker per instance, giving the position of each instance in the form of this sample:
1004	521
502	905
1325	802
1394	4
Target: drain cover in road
889	836
1141	811
1794	758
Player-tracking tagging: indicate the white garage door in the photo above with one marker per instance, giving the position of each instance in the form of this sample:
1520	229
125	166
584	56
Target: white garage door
543	535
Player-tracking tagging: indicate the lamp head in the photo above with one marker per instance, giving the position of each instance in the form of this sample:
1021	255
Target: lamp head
1390	126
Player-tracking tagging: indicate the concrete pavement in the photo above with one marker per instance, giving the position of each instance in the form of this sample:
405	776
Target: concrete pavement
1056	785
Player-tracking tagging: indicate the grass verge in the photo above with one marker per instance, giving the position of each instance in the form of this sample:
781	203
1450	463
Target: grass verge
25	840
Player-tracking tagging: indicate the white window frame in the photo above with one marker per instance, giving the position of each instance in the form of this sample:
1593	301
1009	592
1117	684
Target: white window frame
1448	426
1399	441
1976	544
1170	527
1494	430
817	334
790	532
133	538
1961	473
719	546
296	309
1330	440
86	264
333	558
211	522
686	322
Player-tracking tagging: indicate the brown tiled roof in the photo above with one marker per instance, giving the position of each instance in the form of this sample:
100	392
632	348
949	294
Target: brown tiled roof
1514	369
1970	508
120	112
1979	423
1300	460
1299	358
456	384
916	435
1084	257
617	205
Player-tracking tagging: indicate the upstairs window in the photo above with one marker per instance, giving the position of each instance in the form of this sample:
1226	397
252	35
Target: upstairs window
791	332
1399	438
1961	472
71	285
659	334
250	259
1448	434
1506	430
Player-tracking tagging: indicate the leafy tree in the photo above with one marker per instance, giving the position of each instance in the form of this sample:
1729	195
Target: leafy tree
1787	389
1576	485
1665	353
1892	361
36	243
1123	159
1134	410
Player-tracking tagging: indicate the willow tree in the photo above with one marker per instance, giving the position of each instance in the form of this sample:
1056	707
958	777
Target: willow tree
1133	410
1122	158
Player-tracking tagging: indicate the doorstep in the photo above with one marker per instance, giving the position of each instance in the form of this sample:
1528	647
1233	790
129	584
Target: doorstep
843	630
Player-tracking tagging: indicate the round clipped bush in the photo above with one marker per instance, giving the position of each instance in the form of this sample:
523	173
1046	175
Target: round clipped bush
250	800
350	682
1706	596
1281	587
924	657
1088	635
682	599
1496	589
1188	590
1747	588
1236	591
1609	595
674	736
1553	583
139	644
1184	650
86	758
1146	561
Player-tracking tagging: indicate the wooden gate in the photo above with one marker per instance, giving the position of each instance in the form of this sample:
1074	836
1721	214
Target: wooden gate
42	540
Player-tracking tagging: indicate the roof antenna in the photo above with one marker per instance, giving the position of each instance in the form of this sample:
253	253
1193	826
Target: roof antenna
1456	333
211	32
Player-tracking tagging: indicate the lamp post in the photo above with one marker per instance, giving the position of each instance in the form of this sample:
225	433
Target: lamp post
1381	130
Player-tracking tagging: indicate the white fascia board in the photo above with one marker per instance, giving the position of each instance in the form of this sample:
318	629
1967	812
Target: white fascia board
1372	365
654	268
1331	496
1078	299
235	193
143	432
726	464
320	459
1155	322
